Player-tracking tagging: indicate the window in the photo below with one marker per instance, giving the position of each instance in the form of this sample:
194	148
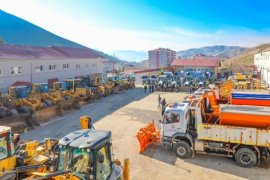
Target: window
3	147
78	66
52	67
171	117
103	163
1	72
65	66
86	65
16	70
39	68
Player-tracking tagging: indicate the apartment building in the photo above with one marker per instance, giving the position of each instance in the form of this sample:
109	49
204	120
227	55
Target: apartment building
161	57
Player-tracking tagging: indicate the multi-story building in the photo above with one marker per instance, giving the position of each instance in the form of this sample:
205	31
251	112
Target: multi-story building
145	64
262	62
108	66
161	57
43	64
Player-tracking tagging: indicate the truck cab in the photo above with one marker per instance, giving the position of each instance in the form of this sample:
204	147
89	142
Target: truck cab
153	78
179	122
144	79
88	154
7	152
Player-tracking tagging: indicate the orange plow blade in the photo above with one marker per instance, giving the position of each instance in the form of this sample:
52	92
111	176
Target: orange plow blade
148	135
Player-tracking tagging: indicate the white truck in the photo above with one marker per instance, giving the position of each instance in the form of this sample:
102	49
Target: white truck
183	129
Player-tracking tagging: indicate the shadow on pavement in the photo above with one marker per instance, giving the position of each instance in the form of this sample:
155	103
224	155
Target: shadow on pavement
221	164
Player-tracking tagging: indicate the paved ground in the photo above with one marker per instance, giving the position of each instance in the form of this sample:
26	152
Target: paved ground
124	114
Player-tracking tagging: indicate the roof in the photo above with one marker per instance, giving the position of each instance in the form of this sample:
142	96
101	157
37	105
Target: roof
21	83
53	52
85	138
149	70
198	62
180	106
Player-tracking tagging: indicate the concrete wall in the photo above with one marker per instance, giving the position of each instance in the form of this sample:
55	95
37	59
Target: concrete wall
262	62
29	73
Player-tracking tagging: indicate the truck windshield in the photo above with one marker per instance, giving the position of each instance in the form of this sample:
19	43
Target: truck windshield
81	162
171	117
3	146
144	77
153	76
63	153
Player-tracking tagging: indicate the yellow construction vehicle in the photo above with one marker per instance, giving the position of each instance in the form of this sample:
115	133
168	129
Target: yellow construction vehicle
41	90
78	89
7	153
22	101
84	154
18	157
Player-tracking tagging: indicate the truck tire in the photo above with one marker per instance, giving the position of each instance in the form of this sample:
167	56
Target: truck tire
245	157
182	150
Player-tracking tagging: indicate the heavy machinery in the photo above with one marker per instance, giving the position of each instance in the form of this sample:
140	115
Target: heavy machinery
22	101
19	159
84	154
7	153
237	131
144	79
41	90
76	88
69	99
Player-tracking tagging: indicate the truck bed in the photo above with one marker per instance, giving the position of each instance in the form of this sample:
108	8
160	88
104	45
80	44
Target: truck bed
234	134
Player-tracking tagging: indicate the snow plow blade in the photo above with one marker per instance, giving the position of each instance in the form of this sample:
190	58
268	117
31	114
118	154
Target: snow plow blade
148	135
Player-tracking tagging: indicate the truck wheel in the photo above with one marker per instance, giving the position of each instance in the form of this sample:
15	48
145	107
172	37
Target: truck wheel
245	157
182	150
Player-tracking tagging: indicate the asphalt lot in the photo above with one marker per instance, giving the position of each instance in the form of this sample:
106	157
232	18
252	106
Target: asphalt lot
124	114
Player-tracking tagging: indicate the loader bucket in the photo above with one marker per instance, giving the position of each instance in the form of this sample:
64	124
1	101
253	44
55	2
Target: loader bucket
147	136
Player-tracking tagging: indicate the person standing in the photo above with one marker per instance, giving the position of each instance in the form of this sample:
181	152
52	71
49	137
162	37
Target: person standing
163	104
150	88
145	88
153	88
159	100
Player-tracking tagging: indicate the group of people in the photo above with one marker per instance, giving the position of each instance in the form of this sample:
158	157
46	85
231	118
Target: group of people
151	88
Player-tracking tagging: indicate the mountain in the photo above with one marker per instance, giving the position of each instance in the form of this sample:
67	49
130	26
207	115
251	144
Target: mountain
218	50
246	58
16	31
130	55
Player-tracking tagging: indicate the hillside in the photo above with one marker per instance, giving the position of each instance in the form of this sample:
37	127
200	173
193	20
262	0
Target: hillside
246	58
218	50
16	31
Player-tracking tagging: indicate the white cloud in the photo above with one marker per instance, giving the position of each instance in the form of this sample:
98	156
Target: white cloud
107	38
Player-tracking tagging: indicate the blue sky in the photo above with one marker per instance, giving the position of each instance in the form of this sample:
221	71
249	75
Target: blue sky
140	25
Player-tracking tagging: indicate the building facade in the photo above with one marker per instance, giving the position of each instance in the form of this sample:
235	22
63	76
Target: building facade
145	64
42	64
197	64
108	66
161	57
262	62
